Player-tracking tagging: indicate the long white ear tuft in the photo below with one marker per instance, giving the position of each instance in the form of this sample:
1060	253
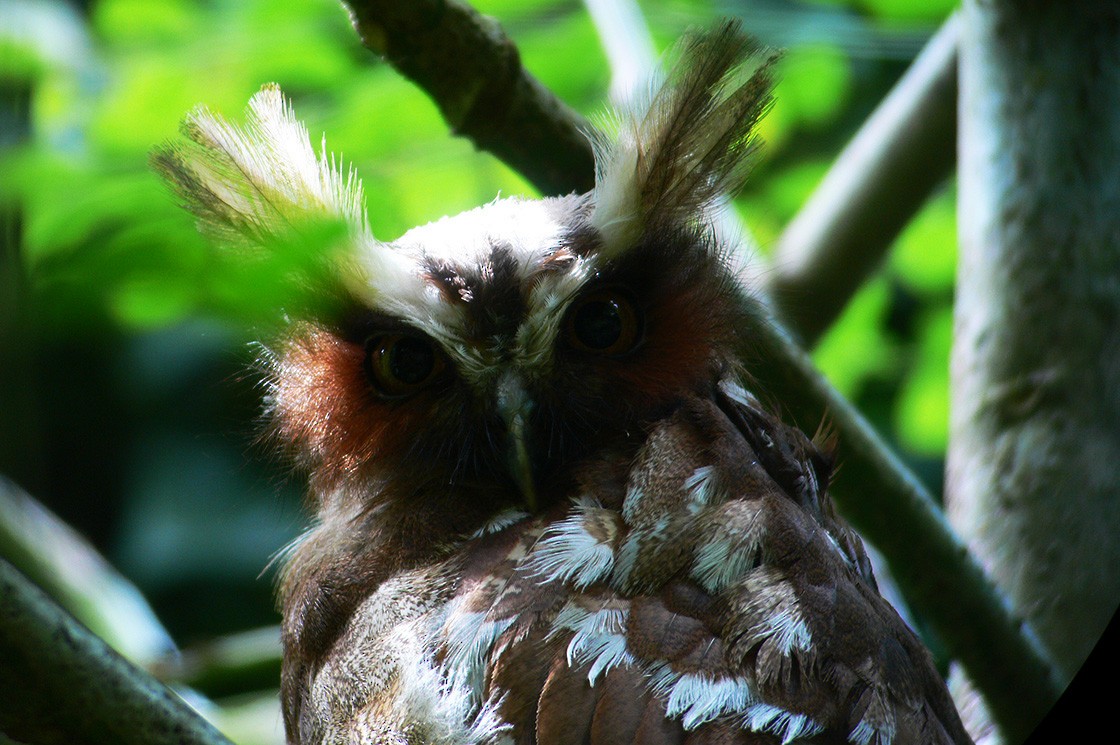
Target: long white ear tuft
692	142
247	184
254	185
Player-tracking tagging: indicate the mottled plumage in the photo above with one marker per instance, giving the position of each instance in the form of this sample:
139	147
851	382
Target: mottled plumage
548	507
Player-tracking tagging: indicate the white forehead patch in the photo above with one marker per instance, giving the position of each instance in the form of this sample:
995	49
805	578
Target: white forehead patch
529	231
526	227
392	274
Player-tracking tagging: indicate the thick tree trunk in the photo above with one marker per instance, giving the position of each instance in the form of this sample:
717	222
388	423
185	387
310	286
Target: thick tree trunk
1034	461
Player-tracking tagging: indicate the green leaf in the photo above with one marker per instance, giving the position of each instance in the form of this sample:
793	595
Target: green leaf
854	348
922	409
925	255
910	10
140	22
814	82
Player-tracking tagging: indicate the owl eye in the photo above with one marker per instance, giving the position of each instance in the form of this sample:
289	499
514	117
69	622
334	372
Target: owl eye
604	322
401	364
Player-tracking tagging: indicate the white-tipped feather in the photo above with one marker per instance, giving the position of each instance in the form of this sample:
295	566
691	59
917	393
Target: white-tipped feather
442	709
698	698
877	727
787	725
470	638
599	639
703	489
571	552
499	522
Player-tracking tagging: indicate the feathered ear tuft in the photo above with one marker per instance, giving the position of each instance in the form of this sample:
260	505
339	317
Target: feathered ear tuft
261	186
693	142
252	183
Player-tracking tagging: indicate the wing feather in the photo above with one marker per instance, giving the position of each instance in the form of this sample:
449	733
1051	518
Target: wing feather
794	645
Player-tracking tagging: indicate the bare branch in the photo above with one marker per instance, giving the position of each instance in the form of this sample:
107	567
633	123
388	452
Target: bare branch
904	150
473	72
64	685
1034	451
625	38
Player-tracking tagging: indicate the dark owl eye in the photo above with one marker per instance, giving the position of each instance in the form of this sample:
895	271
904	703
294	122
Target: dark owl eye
401	364
604	322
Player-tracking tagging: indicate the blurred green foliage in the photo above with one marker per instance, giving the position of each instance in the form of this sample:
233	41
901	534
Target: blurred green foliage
141	421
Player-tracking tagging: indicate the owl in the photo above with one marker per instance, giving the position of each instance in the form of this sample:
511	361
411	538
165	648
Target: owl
549	507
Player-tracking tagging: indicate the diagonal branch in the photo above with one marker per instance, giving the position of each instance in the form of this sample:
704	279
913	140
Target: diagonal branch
63	685
58	559
905	150
473	72
880	496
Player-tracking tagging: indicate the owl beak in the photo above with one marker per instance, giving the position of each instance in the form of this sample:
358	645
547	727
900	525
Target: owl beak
516	405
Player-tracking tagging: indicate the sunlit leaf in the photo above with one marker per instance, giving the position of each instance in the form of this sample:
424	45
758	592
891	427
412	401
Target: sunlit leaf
922	411
925	255
814	82
19	61
126	22
151	302
566	55
910	10
854	347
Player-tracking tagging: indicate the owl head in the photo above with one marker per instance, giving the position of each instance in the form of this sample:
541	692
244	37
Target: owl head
470	362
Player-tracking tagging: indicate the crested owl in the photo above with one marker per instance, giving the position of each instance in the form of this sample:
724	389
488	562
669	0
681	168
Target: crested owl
549	507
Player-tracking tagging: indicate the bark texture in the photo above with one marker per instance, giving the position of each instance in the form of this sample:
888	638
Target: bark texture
1034	462
63	685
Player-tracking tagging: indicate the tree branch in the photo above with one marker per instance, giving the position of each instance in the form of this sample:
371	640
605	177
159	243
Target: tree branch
904	150
64	685
889	505
64	564
473	72
1034	451
878	494
626	41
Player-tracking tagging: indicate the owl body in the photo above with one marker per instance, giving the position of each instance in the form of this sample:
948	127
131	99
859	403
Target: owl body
548	507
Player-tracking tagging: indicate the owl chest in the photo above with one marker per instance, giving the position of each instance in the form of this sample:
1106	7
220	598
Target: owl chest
668	598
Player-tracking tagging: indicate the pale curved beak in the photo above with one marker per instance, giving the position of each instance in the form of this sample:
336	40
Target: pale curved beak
515	407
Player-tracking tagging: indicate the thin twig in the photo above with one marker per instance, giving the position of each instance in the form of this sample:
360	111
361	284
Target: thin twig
905	150
882	498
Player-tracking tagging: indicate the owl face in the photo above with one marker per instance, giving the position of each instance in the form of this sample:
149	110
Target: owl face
517	344
475	359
